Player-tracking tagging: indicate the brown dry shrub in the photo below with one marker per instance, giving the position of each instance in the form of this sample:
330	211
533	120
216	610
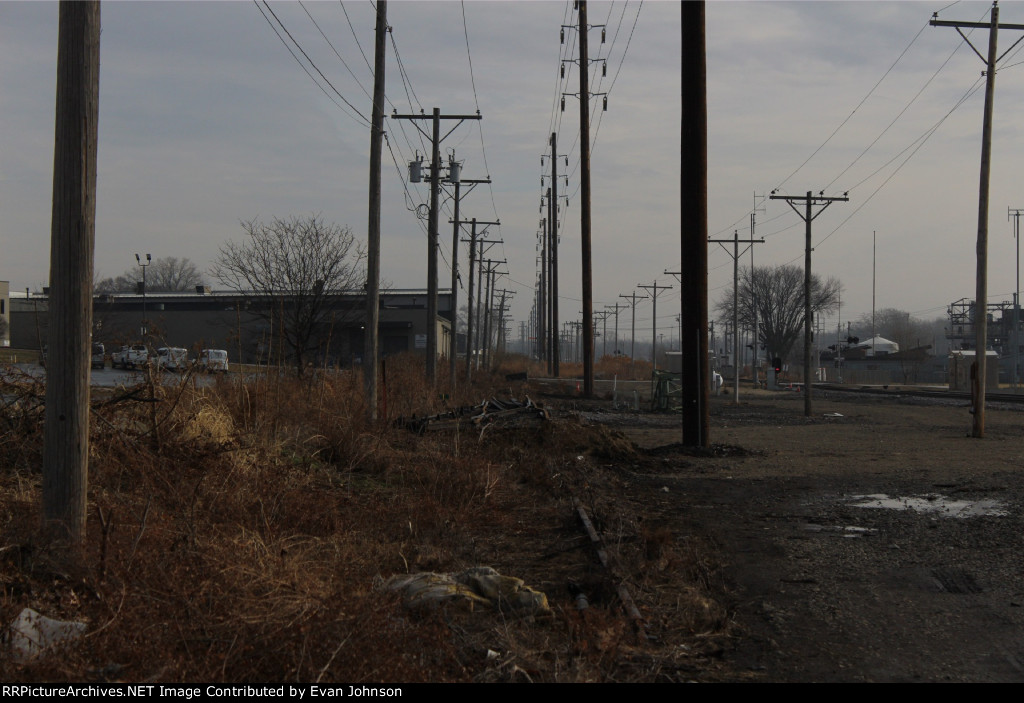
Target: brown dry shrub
236	531
21	419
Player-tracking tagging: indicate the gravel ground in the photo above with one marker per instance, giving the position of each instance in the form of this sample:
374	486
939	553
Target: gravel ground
921	581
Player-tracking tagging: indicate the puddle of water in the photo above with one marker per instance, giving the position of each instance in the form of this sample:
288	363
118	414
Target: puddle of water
848	531
931	503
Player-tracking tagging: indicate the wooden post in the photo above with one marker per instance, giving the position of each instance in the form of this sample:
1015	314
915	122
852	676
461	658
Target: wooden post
370	341
72	232
693	202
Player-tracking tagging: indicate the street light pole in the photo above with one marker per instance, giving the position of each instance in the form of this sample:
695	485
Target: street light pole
149	260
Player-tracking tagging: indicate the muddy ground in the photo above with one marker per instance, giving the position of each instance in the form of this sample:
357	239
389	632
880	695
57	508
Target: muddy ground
927	586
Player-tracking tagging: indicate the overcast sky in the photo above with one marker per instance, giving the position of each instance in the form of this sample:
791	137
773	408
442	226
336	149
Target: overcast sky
206	120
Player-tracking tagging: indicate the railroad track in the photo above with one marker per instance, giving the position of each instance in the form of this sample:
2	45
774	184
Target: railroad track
897	390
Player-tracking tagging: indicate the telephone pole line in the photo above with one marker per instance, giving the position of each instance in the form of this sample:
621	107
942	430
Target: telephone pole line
653	290
735	254
551	313
585	221
632	333
432	231
473	305
808	217
615	311
492	269
454	342
981	303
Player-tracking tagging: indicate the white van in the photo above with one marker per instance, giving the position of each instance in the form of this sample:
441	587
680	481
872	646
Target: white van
211	360
172	358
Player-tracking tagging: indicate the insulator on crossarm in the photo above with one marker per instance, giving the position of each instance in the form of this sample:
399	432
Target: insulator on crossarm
605	103
602	34
563	104
563	35
604	68
563	70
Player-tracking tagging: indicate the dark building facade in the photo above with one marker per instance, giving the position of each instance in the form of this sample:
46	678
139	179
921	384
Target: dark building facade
249	327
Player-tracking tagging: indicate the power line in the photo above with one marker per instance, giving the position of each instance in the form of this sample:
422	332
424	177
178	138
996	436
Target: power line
901	113
921	142
343	63
303	67
852	113
353	30
311	62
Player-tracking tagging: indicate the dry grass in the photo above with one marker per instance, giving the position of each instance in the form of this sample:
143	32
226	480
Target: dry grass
236	532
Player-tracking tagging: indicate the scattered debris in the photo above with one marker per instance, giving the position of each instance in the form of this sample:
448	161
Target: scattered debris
624	595
490	412
480	585
32	633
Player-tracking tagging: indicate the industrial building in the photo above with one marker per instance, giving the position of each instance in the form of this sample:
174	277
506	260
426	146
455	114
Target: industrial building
249	326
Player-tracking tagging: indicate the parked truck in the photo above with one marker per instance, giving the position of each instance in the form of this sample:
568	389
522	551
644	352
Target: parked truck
130	356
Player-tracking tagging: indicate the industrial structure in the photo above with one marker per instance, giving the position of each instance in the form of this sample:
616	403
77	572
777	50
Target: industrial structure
248	326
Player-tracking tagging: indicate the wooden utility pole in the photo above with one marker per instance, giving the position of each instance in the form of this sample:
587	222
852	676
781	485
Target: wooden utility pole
470	303
810	201
981	292
753	293
585	241
615	311
453	346
736	253
693	221
491	270
542	295
371	330
632	331
653	291
432	224
72	238
553	335
1015	214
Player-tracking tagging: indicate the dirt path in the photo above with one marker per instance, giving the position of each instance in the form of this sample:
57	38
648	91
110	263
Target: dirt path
821	589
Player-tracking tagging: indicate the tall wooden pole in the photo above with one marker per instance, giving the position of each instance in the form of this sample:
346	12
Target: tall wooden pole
981	293
370	339
470	306
454	344
585	239
807	307
553	335
981	307
72	237
432	239
693	236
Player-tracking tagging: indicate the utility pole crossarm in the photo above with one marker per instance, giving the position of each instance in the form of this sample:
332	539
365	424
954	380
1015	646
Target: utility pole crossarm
810	200
735	254
432	229
981	291
973	25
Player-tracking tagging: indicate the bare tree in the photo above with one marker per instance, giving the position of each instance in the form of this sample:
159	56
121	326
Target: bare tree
778	292
167	274
289	270
172	274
